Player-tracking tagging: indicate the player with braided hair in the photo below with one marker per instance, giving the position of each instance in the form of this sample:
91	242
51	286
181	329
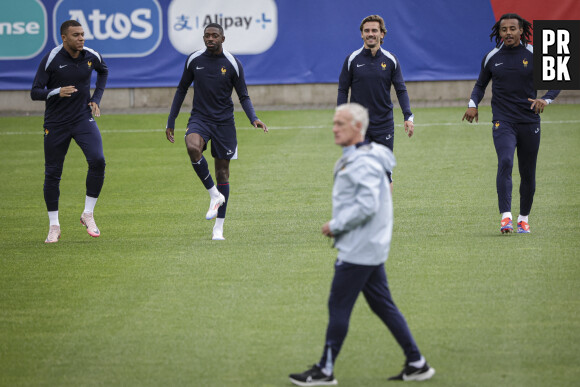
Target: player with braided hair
525	25
516	113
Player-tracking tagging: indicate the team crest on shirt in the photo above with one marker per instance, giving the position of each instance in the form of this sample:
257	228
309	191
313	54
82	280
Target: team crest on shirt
384	66
525	62
224	70
496	125
45	132
89	63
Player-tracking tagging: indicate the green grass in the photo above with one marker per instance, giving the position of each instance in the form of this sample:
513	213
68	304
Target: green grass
154	301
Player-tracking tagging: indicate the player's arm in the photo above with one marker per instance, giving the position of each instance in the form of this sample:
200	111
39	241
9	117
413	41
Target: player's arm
170	134
245	101
477	94
344	83
102	75
403	98
186	80
539	104
259	124
39	92
326	230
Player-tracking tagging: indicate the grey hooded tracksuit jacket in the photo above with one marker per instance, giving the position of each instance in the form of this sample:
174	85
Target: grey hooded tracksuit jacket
362	207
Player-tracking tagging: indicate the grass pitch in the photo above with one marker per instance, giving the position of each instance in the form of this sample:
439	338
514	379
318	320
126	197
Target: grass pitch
154	301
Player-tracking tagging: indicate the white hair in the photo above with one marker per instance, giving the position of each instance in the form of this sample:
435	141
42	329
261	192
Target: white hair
360	115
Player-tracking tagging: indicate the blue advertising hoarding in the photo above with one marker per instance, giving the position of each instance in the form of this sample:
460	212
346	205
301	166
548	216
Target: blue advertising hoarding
145	42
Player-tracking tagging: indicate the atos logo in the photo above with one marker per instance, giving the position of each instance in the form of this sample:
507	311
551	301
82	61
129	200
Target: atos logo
114	28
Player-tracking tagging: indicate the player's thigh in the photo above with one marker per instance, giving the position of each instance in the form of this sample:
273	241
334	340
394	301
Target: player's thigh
528	138
384	136
224	143
56	144
87	136
504	139
198	134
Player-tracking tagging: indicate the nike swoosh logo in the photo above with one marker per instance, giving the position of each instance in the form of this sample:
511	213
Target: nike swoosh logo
498	64
360	65
388	137
62	66
199	68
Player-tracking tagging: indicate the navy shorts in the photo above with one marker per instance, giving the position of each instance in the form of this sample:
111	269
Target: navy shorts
383	136
224	144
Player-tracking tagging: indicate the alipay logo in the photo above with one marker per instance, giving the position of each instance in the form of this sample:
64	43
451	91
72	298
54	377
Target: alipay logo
250	27
114	28
23	30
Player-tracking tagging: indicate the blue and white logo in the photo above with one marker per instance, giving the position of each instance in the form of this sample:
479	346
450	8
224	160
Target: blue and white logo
250	27
114	28
23	31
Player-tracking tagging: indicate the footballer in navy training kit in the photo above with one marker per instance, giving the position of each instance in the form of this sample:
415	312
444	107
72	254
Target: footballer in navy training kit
369	73
215	73
63	80
516	113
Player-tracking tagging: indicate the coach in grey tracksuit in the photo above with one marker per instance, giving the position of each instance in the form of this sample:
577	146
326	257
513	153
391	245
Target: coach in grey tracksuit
362	224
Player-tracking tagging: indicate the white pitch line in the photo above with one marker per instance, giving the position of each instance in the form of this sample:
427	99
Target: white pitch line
329	126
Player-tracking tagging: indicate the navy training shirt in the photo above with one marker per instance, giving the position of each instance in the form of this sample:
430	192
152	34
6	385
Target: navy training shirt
58	69
512	72
370	78
214	77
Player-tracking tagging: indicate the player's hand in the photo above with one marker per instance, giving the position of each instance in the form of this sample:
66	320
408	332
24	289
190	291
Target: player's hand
538	105
95	110
409	128
326	230
169	134
260	124
470	114
67	91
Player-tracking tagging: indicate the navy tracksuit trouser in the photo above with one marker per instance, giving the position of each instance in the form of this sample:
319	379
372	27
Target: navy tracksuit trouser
56	144
507	137
384	136
349	280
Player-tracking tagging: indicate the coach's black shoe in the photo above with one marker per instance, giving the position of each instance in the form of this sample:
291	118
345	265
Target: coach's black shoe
313	377
411	373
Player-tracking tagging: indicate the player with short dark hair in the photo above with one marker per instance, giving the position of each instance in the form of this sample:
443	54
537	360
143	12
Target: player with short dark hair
63	80
369	73
516	113
214	73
